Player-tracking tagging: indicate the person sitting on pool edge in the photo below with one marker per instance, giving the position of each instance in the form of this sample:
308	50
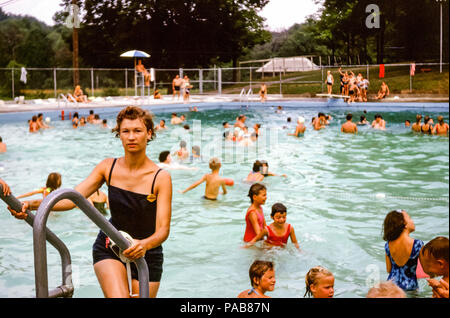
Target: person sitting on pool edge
349	127
383	92
213	181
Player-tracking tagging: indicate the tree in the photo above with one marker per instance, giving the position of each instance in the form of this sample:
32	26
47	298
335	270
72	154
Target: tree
191	33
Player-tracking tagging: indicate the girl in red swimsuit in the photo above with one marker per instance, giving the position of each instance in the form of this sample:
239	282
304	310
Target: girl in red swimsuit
279	231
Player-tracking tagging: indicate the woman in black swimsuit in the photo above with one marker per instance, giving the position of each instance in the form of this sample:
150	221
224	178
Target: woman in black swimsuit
427	128
140	199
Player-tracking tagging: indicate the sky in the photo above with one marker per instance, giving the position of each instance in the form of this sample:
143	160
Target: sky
279	14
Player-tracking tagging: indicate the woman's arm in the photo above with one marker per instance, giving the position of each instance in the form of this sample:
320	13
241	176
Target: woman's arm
29	194
93	182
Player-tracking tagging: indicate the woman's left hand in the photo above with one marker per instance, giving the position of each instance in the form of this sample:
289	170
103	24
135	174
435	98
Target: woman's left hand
135	251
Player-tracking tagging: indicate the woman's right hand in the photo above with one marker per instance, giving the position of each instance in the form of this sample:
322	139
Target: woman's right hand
22	215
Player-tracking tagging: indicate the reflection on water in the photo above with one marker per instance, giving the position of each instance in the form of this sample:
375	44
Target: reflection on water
338	190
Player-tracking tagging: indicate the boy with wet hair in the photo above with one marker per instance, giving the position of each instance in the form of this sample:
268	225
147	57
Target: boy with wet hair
213	181
434	259
386	290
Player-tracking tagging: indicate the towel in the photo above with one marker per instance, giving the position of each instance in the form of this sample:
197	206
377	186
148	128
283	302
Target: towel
23	75
413	69
381	75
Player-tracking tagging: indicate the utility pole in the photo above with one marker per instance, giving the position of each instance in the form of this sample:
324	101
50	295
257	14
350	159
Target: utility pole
76	74
440	49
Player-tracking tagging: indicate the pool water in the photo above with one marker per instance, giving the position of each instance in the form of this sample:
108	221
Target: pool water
337	191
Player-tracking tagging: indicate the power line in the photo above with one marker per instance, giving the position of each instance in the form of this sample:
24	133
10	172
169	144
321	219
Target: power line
8	2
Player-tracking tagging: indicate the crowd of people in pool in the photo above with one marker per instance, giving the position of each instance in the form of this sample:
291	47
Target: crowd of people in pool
407	259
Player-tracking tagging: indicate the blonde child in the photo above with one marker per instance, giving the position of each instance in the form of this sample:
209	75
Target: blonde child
319	283
213	181
53	183
254	218
435	262
279	232
402	251
262	279
386	290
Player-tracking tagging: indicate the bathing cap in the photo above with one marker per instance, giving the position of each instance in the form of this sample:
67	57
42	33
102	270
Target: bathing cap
47	120
301	119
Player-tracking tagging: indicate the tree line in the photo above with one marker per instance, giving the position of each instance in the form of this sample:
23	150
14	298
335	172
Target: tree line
203	33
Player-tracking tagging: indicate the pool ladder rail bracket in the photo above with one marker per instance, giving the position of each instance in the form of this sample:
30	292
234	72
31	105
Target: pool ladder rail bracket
41	234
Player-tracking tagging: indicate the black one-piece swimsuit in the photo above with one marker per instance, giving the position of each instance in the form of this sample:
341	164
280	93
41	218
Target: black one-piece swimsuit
135	214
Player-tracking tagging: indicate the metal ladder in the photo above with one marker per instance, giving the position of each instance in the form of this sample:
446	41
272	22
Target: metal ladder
41	233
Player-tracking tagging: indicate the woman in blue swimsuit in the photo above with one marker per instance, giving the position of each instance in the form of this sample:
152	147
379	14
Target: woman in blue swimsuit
402	251
140	199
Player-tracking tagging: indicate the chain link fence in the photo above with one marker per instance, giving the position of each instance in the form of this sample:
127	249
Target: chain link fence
44	83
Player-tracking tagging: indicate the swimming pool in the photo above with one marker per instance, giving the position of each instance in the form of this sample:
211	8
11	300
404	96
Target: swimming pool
338	190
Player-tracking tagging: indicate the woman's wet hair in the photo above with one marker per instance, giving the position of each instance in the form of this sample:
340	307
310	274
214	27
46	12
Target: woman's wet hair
53	181
393	226
132	113
163	156
255	189
257	166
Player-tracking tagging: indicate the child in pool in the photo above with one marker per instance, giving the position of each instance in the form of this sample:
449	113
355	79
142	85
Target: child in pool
402	251
279	232
434	259
262	279
213	181
265	170
255	175
386	290
182	153
53	183
319	283
254	218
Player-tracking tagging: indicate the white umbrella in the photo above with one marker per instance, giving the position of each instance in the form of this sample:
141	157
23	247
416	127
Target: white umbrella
135	53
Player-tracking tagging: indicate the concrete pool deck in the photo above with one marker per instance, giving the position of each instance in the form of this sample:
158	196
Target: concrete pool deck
197	100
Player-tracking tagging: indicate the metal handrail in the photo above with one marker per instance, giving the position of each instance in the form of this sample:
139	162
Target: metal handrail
66	289
41	234
40	253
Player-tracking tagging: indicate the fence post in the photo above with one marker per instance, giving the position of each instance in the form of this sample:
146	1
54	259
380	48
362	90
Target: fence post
281	90
12	82
368	72
250	77
219	78
200	79
92	81
126	82
54	82
322	80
